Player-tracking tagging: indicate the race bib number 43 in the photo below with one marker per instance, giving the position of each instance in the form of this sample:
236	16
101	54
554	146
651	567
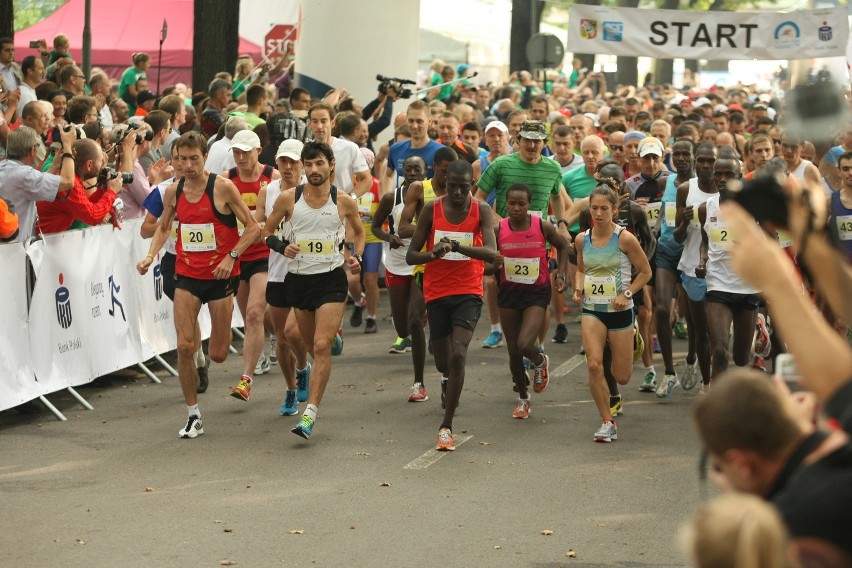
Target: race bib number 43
599	289
521	270
198	237
464	239
844	227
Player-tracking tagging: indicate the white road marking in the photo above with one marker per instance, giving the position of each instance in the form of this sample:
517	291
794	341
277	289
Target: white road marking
567	366
433	455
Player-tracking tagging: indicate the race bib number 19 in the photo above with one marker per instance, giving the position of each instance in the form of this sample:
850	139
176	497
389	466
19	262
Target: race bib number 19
198	237
315	248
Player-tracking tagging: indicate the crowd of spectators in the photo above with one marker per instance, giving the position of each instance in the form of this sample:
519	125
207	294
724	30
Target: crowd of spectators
61	131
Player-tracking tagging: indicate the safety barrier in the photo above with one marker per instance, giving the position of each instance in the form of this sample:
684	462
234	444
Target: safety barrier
90	312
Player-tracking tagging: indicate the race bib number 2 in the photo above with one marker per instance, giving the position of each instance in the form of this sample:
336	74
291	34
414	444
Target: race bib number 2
198	237
721	236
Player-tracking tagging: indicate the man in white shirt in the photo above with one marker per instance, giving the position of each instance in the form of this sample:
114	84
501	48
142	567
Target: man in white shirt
220	157
32	71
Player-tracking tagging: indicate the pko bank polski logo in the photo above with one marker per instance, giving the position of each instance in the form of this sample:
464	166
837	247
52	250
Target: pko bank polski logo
158	281
63	304
787	35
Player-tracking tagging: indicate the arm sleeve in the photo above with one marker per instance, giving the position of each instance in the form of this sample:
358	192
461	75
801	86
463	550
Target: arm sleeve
383	121
839	407
39	186
368	110
89	209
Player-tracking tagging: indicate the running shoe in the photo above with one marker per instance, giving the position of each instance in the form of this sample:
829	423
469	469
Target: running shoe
493	341
762	342
357	315
649	384
203	376
243	390
578	318
337	343
542	376
418	393
664	390
561	334
444	381
262	366
371	326
522	410
291	405
607	432
690	376
305	427
445	441
679	330
193	428
273	350
401	345
303	382
656	344
616	405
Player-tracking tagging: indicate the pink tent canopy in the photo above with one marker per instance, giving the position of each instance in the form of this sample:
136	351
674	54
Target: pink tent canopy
121	28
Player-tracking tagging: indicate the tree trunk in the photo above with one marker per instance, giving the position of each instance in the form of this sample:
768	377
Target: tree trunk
526	18
7	19
215	41
628	67
664	68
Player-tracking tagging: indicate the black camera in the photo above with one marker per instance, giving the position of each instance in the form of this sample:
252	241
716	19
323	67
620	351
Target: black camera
131	127
396	84
54	134
108	174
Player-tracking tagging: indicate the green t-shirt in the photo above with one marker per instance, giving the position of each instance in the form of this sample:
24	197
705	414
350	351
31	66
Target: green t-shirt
578	184
128	79
239	86
544	179
253	120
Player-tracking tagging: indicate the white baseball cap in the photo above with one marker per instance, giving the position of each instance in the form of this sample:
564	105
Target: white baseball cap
245	140
496	124
650	145
290	148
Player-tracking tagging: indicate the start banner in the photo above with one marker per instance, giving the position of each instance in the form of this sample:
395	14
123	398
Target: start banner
665	34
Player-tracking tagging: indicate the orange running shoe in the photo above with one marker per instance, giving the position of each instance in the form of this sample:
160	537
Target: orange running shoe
445	441
522	410
243	390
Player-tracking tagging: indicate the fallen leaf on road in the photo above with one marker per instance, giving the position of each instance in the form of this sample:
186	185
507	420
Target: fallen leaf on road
217	521
547	532
227	562
352	527
81	541
363	454
497	547
298	531
228	530
384	484
484	443
571	553
149	489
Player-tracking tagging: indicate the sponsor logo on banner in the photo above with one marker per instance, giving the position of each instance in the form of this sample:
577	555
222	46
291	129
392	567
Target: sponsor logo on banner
158	282
613	31
825	32
114	289
63	304
588	29
787	35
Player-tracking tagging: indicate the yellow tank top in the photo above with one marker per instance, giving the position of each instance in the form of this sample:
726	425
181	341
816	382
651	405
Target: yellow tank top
429	196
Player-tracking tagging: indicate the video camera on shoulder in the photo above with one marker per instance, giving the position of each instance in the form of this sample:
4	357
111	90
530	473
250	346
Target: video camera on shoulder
131	127
396	84
55	137
108	174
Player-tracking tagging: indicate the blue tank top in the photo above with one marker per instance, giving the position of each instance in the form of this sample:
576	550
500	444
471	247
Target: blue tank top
607	273
841	223
668	220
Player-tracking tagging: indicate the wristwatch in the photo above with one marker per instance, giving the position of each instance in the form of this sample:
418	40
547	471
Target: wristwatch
628	294
233	254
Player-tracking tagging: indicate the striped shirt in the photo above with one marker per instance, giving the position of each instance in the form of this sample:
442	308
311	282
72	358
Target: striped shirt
544	179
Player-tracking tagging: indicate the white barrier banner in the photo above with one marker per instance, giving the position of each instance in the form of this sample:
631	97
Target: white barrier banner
665	34
156	311
17	382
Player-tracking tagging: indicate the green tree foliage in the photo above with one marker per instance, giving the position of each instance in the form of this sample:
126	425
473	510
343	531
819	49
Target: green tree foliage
29	12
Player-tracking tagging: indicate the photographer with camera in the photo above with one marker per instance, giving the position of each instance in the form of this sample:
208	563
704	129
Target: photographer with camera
380	109
79	209
138	187
23	185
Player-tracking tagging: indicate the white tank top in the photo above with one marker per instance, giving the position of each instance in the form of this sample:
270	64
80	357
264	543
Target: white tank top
319	234
720	276
277	262
395	258
799	172
692	245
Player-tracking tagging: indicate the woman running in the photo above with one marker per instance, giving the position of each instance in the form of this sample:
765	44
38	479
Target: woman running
524	287
605	255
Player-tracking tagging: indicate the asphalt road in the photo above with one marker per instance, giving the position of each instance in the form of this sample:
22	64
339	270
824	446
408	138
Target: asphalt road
116	487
